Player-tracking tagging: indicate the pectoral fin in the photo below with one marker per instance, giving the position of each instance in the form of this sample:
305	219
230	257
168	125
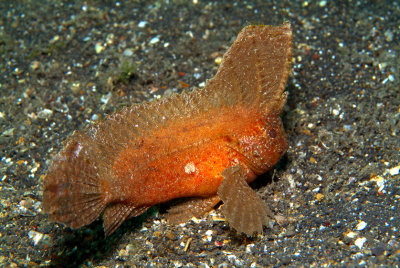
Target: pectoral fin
194	207
244	210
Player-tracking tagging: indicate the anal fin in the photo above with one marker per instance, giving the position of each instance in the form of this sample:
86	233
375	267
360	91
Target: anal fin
244	210
194	207
115	214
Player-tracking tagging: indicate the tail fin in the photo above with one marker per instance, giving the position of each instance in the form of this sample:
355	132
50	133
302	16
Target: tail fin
72	189
255	68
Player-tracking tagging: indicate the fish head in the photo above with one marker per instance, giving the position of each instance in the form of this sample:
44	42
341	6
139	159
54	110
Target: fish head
265	145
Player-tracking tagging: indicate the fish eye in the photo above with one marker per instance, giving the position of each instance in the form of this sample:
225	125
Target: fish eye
272	133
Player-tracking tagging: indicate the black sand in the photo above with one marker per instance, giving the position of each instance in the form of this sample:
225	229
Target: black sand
337	189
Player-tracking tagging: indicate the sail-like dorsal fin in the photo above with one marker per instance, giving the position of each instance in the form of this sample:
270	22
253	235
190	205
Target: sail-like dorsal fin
255	68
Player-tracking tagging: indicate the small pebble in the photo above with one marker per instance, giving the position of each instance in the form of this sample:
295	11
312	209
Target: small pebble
142	24
322	3
154	40
218	60
128	52
249	248
360	242
105	98
361	225
98	47
394	170
34	65
45	113
351	234
380	182
37	237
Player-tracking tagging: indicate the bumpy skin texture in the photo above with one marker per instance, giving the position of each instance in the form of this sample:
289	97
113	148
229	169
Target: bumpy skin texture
180	146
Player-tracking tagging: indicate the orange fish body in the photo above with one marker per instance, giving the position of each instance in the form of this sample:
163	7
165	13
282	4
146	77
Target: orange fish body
190	145
187	158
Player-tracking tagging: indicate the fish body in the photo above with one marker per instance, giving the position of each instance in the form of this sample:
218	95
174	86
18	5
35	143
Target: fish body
187	158
194	144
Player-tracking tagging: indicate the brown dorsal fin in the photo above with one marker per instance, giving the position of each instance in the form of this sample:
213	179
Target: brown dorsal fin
115	214
244	210
255	68
194	207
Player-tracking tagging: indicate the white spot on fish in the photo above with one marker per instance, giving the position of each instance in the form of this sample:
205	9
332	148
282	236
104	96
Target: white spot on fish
190	168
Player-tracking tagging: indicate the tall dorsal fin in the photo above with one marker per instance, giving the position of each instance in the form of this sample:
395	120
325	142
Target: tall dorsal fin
255	68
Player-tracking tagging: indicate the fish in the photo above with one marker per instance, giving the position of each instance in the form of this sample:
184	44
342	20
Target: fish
204	145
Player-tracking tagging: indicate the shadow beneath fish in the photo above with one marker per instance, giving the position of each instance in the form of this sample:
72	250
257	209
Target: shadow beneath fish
88	245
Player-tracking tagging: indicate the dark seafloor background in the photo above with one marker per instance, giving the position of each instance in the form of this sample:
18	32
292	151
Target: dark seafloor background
337	189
